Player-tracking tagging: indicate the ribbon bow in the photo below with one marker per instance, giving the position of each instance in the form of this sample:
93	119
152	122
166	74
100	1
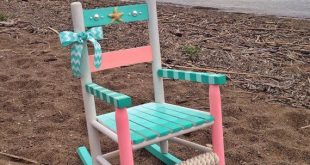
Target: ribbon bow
77	40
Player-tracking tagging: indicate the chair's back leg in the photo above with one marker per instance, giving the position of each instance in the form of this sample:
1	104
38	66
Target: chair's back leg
89	103
156	64
154	40
217	127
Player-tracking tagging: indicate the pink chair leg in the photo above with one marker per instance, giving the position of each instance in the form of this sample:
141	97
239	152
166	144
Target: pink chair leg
123	134
217	127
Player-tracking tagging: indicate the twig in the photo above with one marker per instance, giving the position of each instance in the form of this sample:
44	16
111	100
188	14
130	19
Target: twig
239	91
8	50
303	51
195	25
53	30
8	23
275	29
6	30
257	39
19	158
5	50
308	126
223	71
262	29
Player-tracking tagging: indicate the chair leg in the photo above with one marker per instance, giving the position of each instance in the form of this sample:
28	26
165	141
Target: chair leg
94	143
123	135
164	146
217	127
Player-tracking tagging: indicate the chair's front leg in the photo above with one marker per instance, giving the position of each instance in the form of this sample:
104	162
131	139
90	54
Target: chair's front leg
123	135
217	127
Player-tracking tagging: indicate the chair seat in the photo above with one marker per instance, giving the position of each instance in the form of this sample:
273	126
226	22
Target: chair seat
151	120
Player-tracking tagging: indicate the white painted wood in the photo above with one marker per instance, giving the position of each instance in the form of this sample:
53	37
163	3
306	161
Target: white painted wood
191	144
89	103
156	64
104	130
112	154
154	40
157	140
164	146
102	160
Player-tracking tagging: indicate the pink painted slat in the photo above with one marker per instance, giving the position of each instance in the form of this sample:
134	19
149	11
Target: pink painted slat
123	136
122	58
217	127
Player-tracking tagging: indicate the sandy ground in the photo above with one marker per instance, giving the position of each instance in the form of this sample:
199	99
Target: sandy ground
42	116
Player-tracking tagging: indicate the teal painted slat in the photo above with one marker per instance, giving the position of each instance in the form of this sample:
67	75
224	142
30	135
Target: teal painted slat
185	124
155	127
195	120
114	98
148	134
204	115
136	128
84	156
110	123
104	19
201	77
167	158
172	126
174	123
151	120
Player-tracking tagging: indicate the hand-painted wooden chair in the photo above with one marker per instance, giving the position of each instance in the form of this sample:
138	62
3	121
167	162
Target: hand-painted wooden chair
150	125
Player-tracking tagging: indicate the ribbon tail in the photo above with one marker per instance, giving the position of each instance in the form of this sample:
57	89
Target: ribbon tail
98	52
76	58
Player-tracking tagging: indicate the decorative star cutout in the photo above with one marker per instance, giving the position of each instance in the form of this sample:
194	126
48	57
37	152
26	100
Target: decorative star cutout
116	16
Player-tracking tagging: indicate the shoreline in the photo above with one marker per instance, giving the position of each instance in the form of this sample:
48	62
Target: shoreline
232	11
249	9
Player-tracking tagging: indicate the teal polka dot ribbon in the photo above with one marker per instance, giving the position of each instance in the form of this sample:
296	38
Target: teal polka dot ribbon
77	40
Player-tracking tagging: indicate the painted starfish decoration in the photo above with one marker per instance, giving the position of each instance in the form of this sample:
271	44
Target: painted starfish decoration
116	16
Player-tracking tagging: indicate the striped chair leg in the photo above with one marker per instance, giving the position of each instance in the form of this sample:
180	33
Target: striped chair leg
123	135
217	127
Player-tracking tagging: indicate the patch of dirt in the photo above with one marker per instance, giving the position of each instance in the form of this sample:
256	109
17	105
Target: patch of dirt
42	117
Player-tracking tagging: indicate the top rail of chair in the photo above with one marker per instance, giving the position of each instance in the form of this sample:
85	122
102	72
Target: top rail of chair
126	14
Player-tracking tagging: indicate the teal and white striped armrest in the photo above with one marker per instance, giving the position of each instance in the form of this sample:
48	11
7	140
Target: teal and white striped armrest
205	78
117	99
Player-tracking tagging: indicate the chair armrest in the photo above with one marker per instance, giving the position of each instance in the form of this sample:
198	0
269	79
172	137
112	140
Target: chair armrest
201	77
116	99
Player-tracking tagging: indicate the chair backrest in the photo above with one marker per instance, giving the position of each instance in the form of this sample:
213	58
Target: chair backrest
131	13
126	14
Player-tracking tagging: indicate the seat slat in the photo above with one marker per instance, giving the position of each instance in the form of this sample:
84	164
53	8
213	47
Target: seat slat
124	57
136	128
157	120
158	128
186	111
105	120
153	120
184	123
145	123
194	119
